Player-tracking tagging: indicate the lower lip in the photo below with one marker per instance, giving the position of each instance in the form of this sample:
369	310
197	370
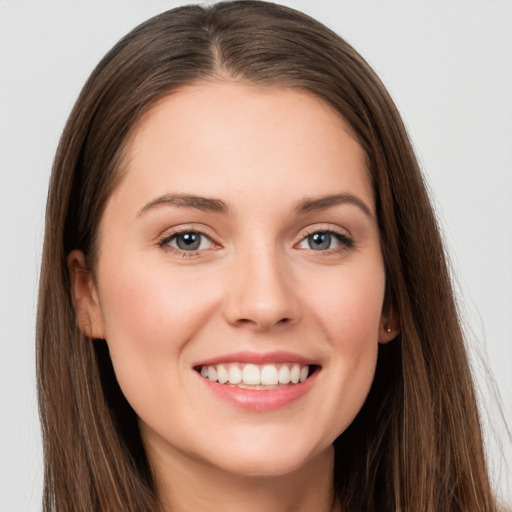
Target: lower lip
260	399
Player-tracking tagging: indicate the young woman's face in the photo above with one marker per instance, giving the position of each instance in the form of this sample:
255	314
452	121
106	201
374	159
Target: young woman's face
241	246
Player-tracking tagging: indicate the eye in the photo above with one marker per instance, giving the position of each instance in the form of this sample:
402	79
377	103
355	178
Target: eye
188	241
324	240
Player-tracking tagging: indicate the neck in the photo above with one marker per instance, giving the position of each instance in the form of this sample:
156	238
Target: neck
185	484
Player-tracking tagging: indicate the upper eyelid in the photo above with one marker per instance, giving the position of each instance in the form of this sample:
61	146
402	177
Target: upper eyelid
166	239
343	237
323	227
191	228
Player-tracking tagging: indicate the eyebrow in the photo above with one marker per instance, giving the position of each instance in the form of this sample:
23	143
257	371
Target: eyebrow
314	204
206	204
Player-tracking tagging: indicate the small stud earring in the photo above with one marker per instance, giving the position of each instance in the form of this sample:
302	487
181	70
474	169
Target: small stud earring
388	329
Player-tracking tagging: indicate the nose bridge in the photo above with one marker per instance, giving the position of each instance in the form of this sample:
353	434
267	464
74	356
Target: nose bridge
261	290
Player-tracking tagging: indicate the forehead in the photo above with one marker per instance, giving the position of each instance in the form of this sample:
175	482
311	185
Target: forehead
219	138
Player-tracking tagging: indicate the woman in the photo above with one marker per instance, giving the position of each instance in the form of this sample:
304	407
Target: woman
244	300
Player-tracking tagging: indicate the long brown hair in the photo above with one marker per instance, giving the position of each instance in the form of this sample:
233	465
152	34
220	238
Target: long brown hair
416	445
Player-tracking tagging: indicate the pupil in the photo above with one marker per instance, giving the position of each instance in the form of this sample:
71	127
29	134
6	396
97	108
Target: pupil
188	241
319	241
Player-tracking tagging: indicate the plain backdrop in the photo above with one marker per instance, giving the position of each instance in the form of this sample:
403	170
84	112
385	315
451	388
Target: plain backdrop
447	64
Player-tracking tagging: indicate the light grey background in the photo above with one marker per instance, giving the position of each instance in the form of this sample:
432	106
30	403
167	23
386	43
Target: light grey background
448	64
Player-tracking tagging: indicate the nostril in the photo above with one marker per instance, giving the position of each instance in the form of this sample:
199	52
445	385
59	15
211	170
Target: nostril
248	321
245	321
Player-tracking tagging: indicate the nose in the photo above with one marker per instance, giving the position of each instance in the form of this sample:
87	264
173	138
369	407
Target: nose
262	292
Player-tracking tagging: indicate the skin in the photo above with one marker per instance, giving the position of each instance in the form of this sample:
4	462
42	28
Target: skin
255	284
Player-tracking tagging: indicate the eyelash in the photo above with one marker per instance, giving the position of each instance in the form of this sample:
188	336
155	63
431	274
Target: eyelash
165	241
345	241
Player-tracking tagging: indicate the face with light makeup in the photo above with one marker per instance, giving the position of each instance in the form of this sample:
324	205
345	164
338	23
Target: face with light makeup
239	280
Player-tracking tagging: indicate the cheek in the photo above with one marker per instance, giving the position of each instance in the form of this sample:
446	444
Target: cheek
145	299
149	315
349	308
348	311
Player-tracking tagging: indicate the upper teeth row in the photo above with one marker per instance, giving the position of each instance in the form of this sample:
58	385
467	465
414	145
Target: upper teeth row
254	375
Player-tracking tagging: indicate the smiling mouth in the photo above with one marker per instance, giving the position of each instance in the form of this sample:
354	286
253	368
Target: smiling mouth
257	376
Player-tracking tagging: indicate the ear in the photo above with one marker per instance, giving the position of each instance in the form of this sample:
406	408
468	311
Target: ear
85	297
389	323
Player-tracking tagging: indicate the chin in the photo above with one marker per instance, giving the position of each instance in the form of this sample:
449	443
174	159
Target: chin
284	458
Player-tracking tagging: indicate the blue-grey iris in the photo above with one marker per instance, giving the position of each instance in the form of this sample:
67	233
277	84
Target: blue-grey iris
319	241
188	241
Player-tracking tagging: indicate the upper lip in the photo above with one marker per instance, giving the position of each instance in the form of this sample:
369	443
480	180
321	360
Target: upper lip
257	358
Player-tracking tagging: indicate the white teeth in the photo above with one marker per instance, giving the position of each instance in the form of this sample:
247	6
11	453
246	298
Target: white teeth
284	375
269	375
222	374
251	375
235	374
256	375
295	373
212	373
